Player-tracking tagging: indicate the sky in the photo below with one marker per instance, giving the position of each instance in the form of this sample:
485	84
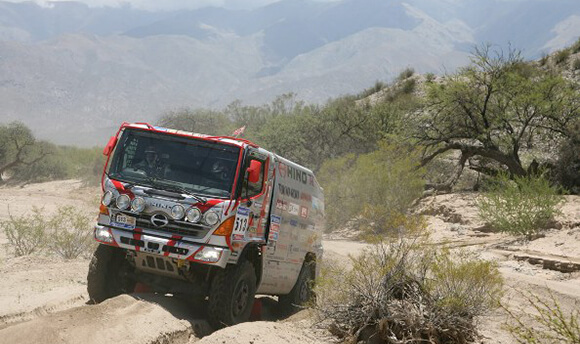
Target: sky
168	4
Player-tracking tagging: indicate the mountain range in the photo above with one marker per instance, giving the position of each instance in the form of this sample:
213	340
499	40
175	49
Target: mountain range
73	72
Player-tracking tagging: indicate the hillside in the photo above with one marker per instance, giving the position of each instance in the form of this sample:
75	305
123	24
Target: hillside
66	65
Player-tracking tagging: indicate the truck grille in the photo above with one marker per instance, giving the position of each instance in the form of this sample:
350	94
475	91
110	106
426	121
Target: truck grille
173	227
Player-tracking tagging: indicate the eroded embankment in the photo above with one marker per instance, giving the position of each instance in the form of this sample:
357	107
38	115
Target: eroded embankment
123	319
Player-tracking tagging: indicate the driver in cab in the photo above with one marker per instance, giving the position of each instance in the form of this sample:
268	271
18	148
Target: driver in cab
152	165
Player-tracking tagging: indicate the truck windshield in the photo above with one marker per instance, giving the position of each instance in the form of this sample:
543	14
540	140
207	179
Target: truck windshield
165	161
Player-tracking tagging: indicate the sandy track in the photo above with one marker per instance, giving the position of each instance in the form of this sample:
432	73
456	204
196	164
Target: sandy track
42	298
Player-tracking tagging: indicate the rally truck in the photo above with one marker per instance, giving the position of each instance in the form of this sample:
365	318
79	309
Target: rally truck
211	218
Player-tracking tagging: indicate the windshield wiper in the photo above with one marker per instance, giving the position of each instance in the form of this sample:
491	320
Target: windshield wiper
176	188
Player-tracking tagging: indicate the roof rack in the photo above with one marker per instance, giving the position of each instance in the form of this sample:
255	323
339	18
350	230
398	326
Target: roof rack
248	142
234	138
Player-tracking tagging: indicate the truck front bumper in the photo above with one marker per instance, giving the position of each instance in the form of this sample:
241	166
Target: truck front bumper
170	247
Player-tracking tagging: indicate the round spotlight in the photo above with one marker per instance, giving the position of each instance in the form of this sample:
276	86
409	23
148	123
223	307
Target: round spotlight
193	215
211	218
138	204
107	198
177	212
123	202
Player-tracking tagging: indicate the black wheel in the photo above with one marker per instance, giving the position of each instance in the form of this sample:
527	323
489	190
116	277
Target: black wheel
232	295
301	293
108	274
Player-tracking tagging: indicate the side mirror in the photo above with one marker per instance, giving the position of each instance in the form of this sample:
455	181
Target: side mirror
254	171
110	145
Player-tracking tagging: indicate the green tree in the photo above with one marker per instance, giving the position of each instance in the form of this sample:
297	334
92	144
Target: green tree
19	148
377	187
201	121
492	108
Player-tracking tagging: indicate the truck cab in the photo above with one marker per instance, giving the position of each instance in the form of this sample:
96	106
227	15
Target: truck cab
208	217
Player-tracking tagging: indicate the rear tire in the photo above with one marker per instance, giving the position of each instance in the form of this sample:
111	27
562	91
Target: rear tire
108	274
301	294
232	295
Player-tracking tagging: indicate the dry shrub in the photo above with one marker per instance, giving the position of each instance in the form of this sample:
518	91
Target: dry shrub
25	233
71	233
408	291
549	325
68	233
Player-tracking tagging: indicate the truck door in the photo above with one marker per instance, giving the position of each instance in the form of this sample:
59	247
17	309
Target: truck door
253	213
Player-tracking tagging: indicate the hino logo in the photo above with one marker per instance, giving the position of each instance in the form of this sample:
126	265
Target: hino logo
159	205
159	220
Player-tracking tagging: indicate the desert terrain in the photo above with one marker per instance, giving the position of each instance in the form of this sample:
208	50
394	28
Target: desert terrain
43	299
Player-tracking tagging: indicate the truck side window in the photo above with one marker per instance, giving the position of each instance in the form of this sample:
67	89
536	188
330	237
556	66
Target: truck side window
249	189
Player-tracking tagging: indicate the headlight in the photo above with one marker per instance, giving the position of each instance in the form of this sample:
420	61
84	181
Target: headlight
209	254
123	202
193	215
107	198
138	204
177	212
103	234
211	218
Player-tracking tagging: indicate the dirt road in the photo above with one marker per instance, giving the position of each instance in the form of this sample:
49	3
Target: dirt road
42	299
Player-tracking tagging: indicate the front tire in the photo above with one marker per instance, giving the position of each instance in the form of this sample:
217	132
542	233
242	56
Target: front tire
232	295
108	274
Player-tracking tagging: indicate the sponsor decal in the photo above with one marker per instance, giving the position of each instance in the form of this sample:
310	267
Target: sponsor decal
283	170
243	211
288	191
281	205
304	196
276	219
273	237
238	237
303	212
316	203
293	208
274	232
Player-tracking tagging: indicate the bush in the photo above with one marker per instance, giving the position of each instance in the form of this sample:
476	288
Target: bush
408	86
377	87
408	292
405	74
70	233
544	59
376	188
576	47
562	56
522	206
67	234
25	233
548	325
576	64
